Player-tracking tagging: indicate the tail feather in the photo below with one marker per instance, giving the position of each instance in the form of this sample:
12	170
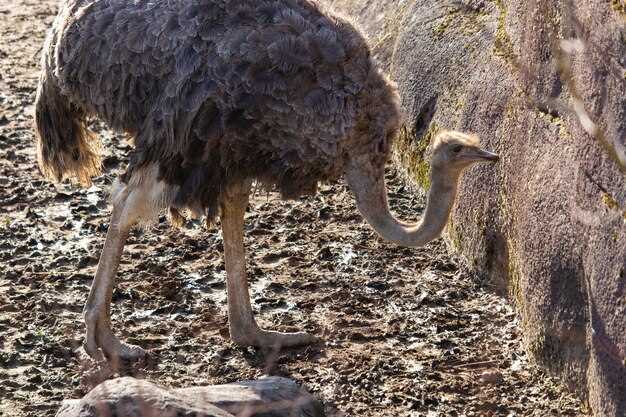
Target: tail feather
65	147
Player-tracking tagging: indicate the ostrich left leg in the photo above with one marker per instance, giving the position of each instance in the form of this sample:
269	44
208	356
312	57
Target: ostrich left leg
97	312
243	328
140	200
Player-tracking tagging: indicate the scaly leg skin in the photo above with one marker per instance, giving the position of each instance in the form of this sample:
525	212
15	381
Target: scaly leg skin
99	340
244	330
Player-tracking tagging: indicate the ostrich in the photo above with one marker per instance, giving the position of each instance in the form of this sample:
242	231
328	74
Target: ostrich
217	94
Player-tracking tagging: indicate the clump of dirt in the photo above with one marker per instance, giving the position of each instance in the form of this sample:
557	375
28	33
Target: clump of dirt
408	332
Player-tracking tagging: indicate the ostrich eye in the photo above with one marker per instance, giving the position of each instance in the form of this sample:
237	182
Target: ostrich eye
457	148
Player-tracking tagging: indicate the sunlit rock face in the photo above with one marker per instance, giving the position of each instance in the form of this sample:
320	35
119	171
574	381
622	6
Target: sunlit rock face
542	83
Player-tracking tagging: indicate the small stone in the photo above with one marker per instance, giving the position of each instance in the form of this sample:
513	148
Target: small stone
492	376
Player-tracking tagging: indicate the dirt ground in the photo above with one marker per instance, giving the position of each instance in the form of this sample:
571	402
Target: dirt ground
408	332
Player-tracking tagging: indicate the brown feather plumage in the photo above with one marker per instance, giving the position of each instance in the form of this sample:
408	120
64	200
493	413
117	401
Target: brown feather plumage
214	91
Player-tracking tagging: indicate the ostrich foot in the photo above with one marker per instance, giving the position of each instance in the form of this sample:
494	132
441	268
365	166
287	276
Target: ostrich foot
117	353
124	353
273	340
102	345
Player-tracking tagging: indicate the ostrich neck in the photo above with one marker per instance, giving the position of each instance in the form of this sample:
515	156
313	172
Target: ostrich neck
371	197
441	197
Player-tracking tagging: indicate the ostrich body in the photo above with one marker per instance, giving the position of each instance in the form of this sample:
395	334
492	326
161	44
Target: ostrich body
217	94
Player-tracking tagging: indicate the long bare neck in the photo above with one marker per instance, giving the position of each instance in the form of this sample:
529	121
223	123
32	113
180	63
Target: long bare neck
440	201
371	197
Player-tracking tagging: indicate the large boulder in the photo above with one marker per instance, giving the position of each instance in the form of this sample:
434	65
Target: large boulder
543	83
130	397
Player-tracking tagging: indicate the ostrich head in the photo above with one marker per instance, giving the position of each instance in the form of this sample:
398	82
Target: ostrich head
452	153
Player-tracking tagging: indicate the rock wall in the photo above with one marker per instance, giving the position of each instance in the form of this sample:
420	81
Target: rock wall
543	83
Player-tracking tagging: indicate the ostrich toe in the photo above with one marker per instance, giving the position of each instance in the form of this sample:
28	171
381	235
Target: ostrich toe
127	353
101	344
273	340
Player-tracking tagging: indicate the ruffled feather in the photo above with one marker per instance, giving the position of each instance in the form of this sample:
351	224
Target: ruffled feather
263	79
289	54
292	21
187	61
321	102
329	47
266	11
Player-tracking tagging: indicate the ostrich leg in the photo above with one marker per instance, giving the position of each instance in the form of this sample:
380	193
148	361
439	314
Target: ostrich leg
97	312
243	328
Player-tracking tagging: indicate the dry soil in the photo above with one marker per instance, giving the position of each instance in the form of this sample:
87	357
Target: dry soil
408	332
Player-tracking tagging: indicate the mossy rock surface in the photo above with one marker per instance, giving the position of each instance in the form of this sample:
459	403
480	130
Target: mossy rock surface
538	82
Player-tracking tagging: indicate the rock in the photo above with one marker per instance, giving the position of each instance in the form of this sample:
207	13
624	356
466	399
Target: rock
542	83
130	397
491	377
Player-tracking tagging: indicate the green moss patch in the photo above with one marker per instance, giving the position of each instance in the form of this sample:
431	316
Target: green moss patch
410	152
441	28
612	204
609	201
503	46
467	22
557	121
619	6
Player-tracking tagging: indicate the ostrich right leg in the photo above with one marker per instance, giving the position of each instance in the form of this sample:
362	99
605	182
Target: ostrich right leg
99	337
244	330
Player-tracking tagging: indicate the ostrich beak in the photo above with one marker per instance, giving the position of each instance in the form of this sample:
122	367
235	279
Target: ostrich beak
481	155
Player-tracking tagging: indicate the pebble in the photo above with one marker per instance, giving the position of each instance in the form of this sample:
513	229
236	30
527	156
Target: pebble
492	376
